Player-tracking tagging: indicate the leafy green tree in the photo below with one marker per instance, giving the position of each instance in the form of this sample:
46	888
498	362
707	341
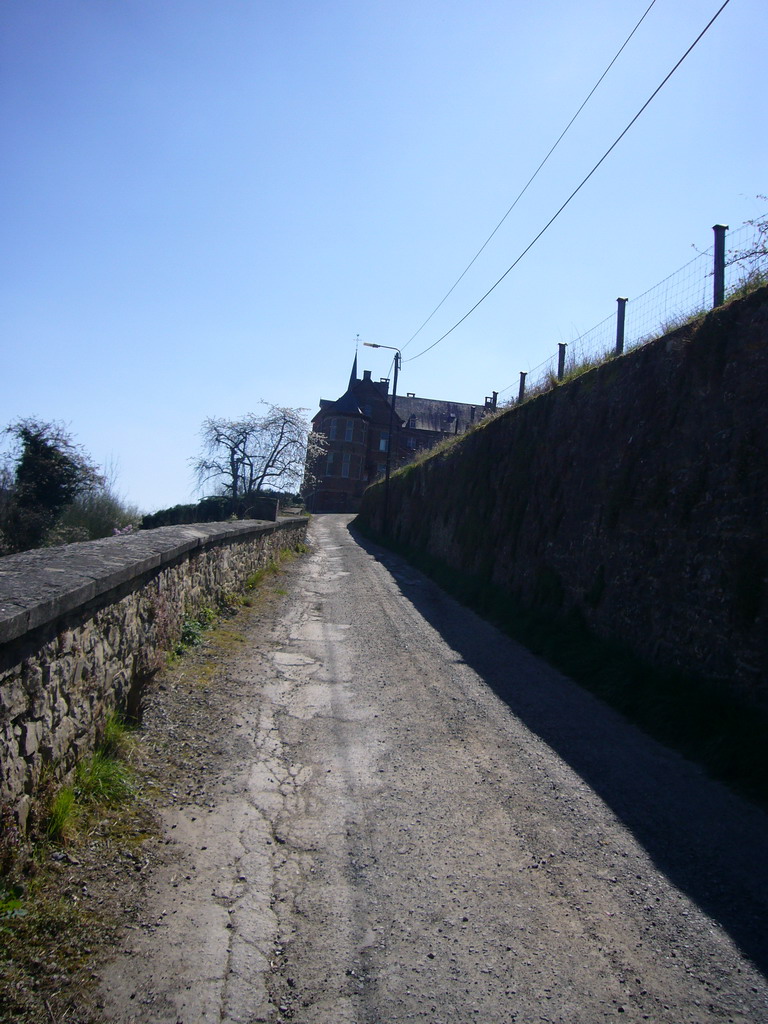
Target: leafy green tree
50	472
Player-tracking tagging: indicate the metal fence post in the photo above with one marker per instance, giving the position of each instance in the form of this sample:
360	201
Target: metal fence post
621	311
521	392
719	290
562	346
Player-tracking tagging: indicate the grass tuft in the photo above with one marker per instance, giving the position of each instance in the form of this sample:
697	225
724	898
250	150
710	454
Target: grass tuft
103	779
116	741
61	814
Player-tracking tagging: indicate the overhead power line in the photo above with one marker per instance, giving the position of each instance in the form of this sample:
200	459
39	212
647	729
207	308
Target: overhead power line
579	187
532	177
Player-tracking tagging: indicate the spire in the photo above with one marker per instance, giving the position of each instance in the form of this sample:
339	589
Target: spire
353	375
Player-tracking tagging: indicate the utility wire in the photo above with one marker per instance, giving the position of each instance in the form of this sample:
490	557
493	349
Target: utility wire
534	175
579	187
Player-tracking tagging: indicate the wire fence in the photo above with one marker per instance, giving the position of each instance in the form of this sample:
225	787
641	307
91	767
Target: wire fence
671	303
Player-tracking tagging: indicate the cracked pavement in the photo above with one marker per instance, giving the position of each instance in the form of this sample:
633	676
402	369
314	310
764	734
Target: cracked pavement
411	818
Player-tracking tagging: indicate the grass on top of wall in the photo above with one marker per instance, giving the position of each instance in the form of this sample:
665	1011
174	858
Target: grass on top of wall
693	716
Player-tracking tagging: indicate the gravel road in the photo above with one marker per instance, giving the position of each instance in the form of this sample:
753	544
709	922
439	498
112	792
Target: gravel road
411	818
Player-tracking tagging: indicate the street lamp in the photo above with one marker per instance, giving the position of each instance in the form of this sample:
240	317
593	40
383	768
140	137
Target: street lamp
398	360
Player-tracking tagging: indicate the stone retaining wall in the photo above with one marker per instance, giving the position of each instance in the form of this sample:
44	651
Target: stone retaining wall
633	499
82	626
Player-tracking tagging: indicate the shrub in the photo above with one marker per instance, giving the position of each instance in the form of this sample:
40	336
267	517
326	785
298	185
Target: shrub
93	514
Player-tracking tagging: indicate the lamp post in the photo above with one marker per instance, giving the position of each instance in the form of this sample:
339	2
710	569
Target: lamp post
398	360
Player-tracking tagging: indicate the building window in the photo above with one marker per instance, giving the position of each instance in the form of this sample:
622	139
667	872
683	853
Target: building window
342	429
331	466
384	442
411	442
381	469
345	461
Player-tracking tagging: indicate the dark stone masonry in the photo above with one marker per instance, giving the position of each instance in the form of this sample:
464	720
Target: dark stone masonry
634	497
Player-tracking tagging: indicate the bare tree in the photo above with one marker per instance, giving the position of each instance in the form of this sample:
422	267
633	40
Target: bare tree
244	456
754	254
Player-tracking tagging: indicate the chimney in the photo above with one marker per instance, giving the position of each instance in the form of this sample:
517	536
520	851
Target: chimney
366	374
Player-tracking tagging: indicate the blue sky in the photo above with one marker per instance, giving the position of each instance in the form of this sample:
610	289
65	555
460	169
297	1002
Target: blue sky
204	202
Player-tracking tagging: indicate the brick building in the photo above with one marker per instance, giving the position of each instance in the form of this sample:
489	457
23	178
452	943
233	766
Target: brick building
357	427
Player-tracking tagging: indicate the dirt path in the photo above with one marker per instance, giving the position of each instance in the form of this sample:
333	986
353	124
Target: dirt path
392	813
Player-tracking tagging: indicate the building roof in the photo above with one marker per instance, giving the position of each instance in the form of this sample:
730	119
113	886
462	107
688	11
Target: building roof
436	415
364	395
347	405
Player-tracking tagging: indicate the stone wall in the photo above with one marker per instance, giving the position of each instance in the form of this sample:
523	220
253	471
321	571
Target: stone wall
82	626
634	497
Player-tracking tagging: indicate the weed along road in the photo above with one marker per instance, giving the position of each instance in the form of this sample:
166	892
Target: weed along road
410	818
